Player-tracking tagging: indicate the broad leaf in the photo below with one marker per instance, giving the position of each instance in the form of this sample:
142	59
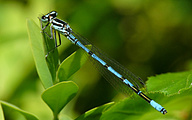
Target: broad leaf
139	109
36	42
170	83
27	115
95	113
57	96
71	64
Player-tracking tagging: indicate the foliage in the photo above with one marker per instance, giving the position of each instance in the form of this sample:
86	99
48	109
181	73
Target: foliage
153	36
58	95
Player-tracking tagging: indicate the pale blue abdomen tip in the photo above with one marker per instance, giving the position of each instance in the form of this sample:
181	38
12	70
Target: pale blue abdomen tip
158	107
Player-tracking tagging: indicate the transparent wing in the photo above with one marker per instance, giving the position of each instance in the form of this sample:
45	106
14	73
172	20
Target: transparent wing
110	77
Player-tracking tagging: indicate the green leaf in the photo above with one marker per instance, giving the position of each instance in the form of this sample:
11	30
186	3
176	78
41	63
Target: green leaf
53	57
178	105
1	113
57	96
170	83
139	109
127	109
27	115
36	42
95	113
64	117
71	64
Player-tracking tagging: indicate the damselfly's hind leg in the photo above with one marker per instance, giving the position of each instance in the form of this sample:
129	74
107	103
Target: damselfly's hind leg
56	45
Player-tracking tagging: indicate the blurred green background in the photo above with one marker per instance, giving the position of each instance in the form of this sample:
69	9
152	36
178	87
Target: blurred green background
149	37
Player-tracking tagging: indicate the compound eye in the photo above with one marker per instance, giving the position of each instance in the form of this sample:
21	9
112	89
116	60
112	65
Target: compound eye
43	17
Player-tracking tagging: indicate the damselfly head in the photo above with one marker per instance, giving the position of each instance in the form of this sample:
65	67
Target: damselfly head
51	15
44	18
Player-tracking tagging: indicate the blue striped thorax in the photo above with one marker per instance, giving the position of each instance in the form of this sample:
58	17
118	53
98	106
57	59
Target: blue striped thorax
48	17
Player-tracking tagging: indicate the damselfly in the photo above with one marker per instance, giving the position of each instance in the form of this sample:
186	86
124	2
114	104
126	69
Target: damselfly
121	75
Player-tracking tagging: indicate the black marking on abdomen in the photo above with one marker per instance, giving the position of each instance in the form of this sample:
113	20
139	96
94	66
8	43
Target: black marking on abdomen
122	78
90	53
106	66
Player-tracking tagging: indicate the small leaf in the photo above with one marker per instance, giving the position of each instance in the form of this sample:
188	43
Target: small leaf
95	113
36	42
71	64
170	83
57	96
27	115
